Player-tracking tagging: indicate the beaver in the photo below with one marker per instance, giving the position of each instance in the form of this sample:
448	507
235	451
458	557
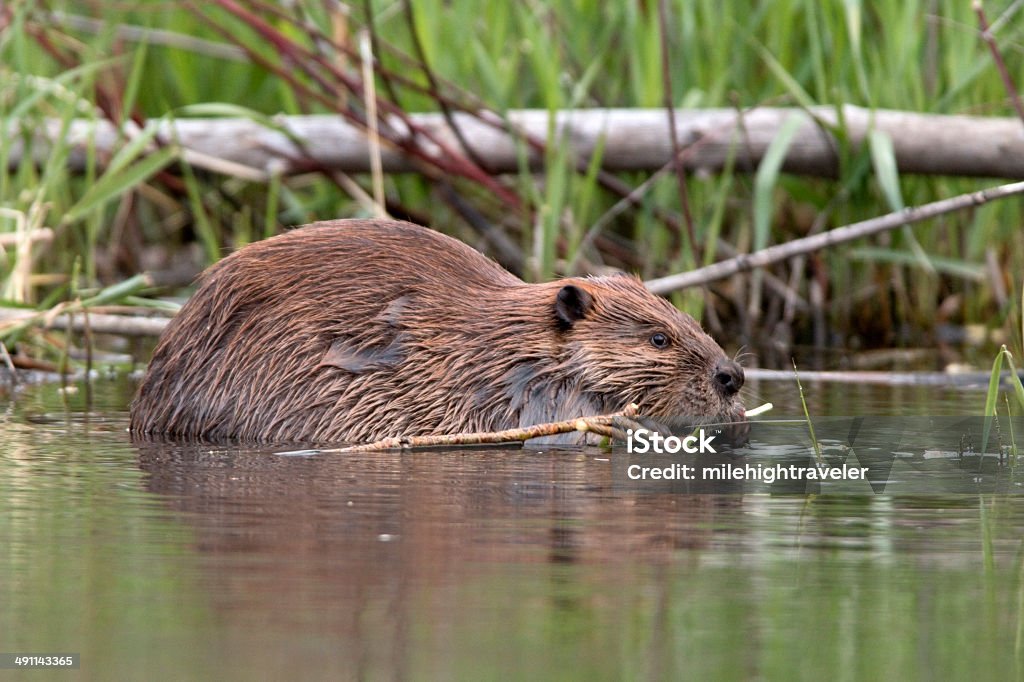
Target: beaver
359	330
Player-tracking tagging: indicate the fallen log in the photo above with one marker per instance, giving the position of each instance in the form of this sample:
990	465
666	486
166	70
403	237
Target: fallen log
634	139
98	323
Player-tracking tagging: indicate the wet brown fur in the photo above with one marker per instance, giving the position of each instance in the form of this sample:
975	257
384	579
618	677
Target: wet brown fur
356	330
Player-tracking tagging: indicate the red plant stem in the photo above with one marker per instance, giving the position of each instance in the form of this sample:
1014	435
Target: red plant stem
448	159
478	108
997	57
677	162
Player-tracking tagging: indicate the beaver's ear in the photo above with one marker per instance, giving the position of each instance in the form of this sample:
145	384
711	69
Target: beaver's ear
571	305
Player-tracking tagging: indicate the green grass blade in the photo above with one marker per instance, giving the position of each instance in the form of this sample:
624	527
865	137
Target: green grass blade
135	77
768	176
135	148
947	266
991	396
113	184
883	157
44	87
993	384
204	226
1015	382
119	291
227	110
792	86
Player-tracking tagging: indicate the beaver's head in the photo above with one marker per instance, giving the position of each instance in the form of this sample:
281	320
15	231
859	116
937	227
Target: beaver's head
627	345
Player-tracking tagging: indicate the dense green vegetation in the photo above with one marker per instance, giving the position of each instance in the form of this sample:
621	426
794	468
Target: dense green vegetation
142	209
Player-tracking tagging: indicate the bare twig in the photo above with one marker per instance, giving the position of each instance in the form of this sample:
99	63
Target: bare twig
372	132
601	424
46	318
123	325
375	44
28	229
886	378
840	235
40	234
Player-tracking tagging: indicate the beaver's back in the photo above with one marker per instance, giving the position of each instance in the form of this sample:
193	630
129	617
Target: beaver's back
263	318
389	252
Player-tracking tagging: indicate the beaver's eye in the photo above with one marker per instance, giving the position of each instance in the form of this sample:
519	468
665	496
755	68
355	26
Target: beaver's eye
659	340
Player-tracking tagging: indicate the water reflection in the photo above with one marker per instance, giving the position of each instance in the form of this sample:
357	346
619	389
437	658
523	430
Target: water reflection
489	505
167	560
387	556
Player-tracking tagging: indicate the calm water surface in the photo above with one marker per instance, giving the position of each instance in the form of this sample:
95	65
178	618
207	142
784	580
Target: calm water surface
181	562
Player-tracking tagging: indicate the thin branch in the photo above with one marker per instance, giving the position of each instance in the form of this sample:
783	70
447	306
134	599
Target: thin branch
602	425
375	44
886	378
840	235
39	234
372	131
99	323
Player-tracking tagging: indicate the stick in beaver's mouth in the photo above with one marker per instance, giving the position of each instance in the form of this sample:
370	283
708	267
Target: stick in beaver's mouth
607	425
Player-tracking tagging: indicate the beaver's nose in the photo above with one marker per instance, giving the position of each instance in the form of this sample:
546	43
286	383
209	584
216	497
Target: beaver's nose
728	377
